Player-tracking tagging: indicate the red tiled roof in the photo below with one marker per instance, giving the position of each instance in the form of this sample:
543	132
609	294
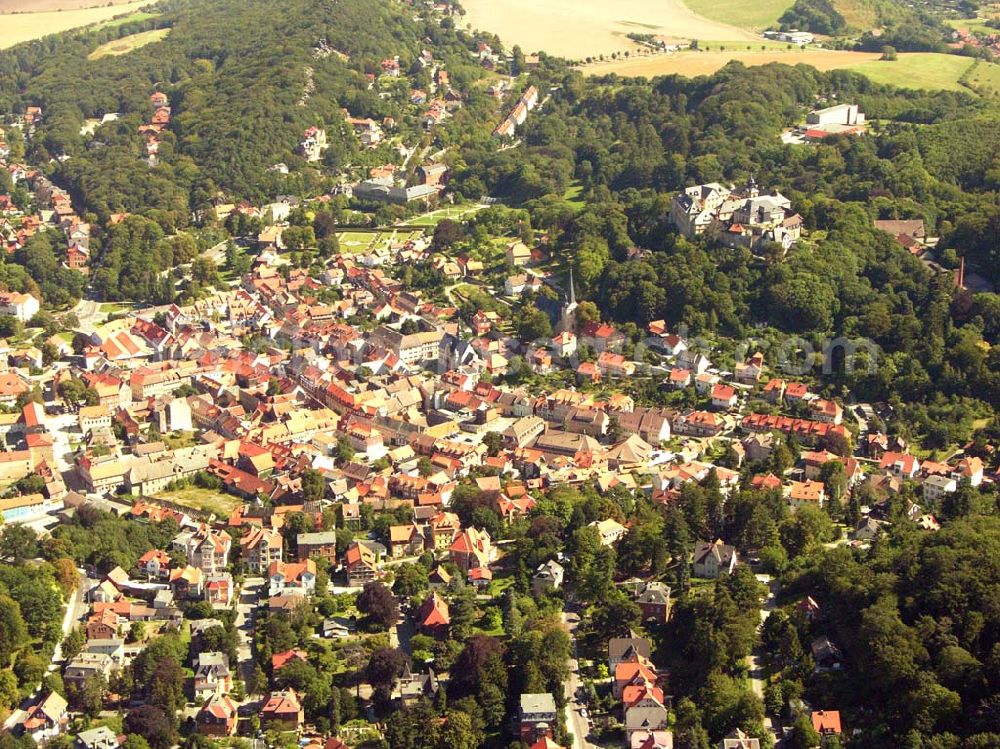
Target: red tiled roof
434	612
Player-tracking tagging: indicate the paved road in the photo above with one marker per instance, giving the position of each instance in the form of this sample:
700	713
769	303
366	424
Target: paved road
61	427
755	661
247	602
575	722
76	607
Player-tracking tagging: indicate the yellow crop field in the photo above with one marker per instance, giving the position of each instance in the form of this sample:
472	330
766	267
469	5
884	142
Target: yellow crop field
694	63
577	29
23	27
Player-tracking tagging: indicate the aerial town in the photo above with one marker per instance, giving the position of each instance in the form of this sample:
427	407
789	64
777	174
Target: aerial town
362	468
385	457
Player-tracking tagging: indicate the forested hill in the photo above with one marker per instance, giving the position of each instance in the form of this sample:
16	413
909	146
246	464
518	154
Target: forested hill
236	72
875	23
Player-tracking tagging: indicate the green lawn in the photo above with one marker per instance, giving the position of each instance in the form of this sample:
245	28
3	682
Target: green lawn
361	241
984	78
463	290
456	213
573	194
499	584
355	241
179	440
756	16
920	70
113	308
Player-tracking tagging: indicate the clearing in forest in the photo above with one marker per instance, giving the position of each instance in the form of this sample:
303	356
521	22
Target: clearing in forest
128	43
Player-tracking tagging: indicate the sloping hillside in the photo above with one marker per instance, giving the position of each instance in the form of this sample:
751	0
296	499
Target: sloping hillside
236	92
876	22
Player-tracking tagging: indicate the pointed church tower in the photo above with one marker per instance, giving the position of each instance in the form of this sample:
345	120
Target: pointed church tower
567	321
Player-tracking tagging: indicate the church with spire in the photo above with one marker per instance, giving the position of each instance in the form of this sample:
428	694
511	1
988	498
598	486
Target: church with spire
567	319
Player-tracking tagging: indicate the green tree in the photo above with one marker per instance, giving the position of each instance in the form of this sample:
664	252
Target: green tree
533	324
345	452
803	735
29	669
410	580
808	527
383	670
13	631
313	485
153	724
18	543
9	694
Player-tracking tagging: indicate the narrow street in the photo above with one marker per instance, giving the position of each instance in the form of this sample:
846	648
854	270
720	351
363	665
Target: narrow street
576	724
76	607
247	602
755	661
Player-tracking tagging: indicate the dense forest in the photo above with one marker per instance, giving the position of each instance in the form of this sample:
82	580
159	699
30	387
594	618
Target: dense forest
237	99
631	144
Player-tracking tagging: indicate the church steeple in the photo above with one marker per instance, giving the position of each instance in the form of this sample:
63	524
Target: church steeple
567	321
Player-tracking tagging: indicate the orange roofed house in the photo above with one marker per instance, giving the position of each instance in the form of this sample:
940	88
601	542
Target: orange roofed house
361	563
288	577
260	547
826	723
472	548
282	711
46	718
280	660
217	716
633	672
433	616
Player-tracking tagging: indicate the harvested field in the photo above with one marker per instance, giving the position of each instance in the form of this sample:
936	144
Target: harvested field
23	27
692	63
37	6
577	29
